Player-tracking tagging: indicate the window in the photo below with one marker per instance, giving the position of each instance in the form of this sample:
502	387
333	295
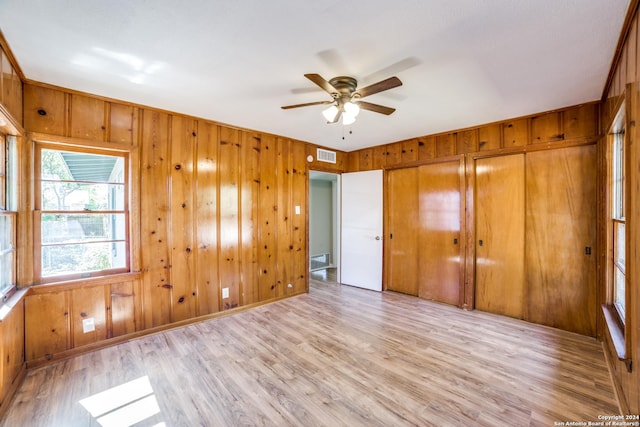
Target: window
82	213
618	223
8	213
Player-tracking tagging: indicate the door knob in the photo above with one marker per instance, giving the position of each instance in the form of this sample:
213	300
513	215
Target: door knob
377	237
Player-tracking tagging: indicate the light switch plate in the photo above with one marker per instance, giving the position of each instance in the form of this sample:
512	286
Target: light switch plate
225	293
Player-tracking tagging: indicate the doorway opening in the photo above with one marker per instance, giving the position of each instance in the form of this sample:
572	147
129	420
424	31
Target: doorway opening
324	226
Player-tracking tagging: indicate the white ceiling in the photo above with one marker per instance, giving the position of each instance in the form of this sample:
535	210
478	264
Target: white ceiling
462	62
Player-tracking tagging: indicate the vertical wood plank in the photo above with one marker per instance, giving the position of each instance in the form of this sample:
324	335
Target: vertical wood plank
561	219
353	161
546	128
489	137
300	200
123	309
467	141
402	240
445	145
46	329
11	94
228	216
87	115
88	303
394	154
249	197
284	275
206	189
500	229
5	67
365	159
427	148
122	123
182	181
267	249
44	110
154	214
439	232
580	122
11	350
379	159
515	133
409	150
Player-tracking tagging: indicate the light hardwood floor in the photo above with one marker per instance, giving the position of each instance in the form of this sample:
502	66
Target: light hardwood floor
338	356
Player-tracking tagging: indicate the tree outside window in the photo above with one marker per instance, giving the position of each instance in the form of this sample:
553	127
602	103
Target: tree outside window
83	217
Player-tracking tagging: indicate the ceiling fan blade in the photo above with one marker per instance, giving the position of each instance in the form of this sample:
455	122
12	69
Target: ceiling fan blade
385	84
286	107
375	107
325	85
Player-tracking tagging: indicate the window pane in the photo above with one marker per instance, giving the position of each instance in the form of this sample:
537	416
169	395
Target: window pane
12	173
70	166
6	232
7	271
74	196
619	245
77	228
618	176
619	290
82	258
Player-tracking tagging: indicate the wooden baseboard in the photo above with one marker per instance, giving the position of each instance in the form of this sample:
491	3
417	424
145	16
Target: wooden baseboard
11	391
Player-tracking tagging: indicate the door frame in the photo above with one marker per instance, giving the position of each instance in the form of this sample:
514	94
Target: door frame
336	214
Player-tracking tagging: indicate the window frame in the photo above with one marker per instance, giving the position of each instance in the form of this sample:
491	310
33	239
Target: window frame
9	208
39	212
617	199
618	216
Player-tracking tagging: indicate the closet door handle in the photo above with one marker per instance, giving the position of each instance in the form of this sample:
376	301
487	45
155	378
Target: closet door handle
455	241
480	242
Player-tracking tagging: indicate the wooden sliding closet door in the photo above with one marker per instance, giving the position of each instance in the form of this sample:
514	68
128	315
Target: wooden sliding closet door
402	243
500	233
439	233
561	237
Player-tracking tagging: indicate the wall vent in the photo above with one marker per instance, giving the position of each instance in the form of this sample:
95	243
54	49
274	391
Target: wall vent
326	156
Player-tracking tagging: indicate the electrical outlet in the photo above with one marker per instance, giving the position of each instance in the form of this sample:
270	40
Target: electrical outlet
297	210
88	325
225	293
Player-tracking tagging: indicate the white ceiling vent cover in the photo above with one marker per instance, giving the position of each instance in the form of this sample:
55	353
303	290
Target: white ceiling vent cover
326	156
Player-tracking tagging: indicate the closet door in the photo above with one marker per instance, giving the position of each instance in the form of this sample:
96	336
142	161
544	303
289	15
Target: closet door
499	212
439	232
561	237
402	235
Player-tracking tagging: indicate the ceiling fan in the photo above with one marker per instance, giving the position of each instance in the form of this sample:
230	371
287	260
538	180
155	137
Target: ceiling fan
347	99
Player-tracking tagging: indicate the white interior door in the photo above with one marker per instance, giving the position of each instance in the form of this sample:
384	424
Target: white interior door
361	231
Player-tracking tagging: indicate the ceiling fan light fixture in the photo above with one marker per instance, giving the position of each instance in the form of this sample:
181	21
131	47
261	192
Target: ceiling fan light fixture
348	119
331	113
351	109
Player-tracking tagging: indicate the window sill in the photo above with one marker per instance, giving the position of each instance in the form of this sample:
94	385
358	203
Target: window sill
86	282
616	332
13	301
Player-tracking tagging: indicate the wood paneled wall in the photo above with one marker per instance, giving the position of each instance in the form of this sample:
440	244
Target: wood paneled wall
212	207
12	358
624	83
570	126
10	85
